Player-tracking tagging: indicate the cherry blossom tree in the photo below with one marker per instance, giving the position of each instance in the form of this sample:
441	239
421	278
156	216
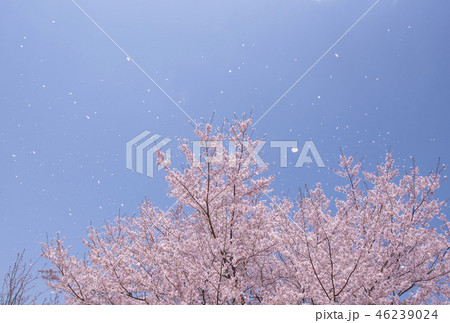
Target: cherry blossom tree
379	245
227	240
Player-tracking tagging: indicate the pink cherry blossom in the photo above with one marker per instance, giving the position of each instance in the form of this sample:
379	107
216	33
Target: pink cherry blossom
227	240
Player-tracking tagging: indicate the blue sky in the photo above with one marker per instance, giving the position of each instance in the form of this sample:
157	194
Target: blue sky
70	99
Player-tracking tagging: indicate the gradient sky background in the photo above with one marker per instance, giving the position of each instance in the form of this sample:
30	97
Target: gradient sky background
70	99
